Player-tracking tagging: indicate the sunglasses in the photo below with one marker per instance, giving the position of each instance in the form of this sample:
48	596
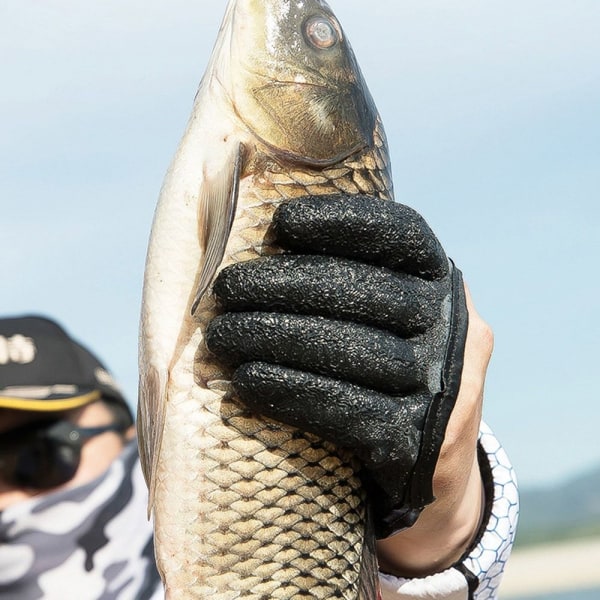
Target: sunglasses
45	454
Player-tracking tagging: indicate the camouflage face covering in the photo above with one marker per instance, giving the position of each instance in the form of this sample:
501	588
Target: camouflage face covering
91	542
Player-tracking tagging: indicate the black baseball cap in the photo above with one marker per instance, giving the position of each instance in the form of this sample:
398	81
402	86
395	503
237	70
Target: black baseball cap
43	369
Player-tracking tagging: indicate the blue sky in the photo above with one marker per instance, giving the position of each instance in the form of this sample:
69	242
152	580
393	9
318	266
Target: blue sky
492	114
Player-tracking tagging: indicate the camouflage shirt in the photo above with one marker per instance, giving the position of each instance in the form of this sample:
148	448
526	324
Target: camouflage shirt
91	542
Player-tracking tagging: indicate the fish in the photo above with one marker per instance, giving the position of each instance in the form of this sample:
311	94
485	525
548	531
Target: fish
243	506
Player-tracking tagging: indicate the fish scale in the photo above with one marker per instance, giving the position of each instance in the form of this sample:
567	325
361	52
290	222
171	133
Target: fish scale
245	507
276	513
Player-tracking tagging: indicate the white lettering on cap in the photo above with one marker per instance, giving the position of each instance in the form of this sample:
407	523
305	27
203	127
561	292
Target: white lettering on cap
104	377
17	349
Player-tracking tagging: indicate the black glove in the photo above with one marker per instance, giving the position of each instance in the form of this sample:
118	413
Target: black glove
356	334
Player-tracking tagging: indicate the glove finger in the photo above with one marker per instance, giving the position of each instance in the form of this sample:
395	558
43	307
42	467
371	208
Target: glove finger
363	228
330	287
379	428
356	353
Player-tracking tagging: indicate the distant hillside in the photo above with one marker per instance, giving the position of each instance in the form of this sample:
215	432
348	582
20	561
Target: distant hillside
569	510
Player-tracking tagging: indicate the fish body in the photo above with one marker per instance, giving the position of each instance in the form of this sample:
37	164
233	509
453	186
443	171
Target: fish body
245	507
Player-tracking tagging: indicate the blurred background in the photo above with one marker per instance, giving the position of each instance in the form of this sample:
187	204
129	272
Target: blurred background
492	115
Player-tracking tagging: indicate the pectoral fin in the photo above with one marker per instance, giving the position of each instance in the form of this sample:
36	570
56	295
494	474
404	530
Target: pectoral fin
218	201
152	403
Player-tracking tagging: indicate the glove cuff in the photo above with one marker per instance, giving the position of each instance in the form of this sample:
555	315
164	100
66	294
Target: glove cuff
420	492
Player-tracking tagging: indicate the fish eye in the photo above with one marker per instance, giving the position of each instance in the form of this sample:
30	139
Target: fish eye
321	32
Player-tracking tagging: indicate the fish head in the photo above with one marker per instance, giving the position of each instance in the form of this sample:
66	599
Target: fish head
294	82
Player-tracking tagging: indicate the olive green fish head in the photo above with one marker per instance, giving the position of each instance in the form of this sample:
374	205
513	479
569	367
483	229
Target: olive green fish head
294	82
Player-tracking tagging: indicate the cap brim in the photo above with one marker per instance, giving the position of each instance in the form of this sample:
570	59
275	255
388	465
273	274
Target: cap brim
49	404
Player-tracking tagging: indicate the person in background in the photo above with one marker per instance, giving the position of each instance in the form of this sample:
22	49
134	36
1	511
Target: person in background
73	520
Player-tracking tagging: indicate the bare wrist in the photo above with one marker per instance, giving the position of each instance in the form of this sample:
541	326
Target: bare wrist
441	535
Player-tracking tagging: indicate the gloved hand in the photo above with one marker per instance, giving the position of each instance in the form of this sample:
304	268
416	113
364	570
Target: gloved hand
355	334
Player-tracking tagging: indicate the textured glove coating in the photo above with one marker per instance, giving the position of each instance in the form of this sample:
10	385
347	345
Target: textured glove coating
355	334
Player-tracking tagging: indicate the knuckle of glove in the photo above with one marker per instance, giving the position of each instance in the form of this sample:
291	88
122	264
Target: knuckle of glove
347	351
331	287
363	228
383	430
